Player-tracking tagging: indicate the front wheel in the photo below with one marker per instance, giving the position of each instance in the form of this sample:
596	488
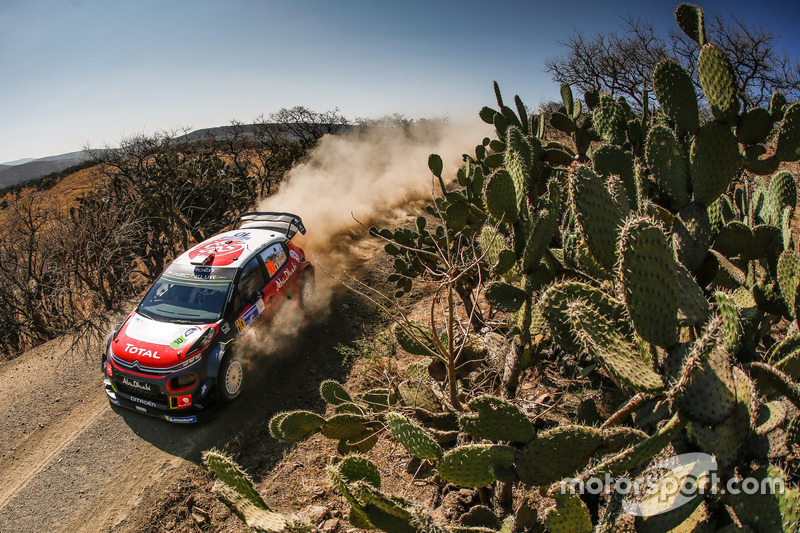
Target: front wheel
306	290
230	378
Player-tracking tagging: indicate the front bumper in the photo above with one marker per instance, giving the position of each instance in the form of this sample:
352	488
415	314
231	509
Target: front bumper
190	415
150	396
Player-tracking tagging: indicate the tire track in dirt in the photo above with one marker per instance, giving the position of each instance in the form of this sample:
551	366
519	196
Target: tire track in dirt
41	451
69	462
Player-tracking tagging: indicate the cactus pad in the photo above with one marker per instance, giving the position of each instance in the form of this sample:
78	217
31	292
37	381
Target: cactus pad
705	391
232	475
691	235
793	432
764	511
610	121
769	416
781	193
505	297
256	517
496	420
419	394
413	437
501	197
609	160
473	465
570	515
675	92
416	338
557	453
378	400
355	468
718	80
789	277
598	216
333	393
555	303
690	20
618	356
297	425
650	281
668	164
641	452
754	126
788	148
714	160
544	226
344	426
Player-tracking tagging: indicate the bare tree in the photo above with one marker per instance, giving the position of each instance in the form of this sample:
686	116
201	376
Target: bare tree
622	63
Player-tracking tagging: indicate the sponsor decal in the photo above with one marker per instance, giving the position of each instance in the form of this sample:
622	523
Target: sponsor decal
294	255
224	250
137	384
203	389
183	339
225	328
140	408
144	352
181	419
249	316
212	273
148	403
281	280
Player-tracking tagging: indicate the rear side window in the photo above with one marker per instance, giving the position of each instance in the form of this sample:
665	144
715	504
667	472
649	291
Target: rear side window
274	258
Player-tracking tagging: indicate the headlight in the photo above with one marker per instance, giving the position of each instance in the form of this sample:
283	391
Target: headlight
200	344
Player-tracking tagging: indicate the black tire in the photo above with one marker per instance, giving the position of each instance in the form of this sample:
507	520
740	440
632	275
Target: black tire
307	288
230	378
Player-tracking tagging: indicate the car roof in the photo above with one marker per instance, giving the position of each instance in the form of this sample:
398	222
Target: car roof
232	248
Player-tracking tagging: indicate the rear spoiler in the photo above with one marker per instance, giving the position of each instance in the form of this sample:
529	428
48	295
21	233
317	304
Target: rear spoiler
286	223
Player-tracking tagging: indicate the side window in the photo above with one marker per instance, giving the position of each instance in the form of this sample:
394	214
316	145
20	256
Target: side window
274	258
251	280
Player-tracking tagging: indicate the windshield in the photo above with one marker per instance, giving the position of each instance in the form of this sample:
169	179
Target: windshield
195	299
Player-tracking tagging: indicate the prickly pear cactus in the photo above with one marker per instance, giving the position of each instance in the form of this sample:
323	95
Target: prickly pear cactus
496	420
650	281
413	437
236	490
675	92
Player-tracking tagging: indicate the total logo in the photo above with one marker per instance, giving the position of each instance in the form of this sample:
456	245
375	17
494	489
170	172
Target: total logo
134	350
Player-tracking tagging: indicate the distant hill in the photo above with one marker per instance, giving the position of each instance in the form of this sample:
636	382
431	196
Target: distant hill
19	173
16	172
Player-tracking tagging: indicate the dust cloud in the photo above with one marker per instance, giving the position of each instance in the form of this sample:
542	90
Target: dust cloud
378	175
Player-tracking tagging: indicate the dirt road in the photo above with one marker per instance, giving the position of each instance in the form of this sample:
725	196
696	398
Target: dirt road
69	462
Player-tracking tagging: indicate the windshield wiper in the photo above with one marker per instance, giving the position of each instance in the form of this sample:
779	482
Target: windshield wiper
146	315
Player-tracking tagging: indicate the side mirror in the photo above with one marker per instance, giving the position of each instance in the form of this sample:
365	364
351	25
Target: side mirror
257	295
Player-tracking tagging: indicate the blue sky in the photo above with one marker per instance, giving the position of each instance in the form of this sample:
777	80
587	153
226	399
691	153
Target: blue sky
78	72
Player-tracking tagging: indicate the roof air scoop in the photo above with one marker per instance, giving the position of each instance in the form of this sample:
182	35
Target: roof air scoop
200	260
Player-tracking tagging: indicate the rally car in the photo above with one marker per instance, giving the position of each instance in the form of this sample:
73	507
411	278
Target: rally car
176	354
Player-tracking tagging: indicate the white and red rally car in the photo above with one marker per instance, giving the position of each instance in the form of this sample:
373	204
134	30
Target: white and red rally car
175	355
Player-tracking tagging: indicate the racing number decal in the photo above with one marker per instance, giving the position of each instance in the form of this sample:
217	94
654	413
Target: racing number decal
249	316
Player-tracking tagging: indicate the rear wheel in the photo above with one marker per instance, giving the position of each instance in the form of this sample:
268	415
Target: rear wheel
306	290
230	378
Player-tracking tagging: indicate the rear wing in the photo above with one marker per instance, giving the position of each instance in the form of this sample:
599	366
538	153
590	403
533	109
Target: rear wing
286	223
